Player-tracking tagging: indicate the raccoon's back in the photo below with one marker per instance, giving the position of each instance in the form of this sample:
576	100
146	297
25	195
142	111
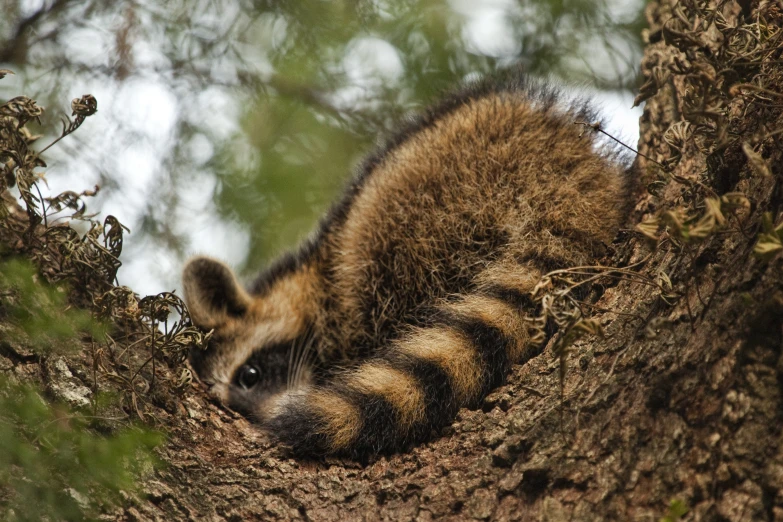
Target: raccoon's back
497	172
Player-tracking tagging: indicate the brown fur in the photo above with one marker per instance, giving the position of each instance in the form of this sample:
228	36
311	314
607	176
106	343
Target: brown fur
450	350
423	269
399	389
340	419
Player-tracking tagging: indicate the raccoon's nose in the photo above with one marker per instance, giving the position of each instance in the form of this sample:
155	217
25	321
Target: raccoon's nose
205	384
219	391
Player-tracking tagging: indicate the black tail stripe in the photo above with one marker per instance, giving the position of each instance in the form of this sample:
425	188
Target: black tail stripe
298	426
493	346
490	343
440	402
377	432
545	262
512	296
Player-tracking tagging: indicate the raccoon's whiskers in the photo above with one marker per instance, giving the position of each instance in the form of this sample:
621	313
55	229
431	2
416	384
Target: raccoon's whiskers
297	358
290	369
293	362
300	364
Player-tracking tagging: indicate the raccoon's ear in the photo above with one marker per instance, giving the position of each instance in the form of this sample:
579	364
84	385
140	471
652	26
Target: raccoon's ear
212	292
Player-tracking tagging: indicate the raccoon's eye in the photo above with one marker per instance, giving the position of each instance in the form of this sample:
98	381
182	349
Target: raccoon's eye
248	376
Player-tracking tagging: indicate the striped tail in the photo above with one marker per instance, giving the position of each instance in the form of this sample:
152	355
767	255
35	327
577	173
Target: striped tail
401	396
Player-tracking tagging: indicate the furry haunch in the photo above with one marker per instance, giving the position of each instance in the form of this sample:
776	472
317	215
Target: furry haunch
410	300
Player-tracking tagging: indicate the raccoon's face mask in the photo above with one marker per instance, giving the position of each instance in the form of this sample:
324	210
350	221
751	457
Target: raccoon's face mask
251	355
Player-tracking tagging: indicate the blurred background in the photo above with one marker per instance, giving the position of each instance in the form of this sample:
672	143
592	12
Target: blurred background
226	127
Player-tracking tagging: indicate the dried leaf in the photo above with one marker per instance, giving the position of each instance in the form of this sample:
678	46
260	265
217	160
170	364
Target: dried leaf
655	187
701	230
588	327
663	280
713	210
770	241
767	247
675	219
758	163
735	201
678	134
649	228
85	106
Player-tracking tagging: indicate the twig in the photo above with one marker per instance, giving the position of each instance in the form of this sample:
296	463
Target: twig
597	127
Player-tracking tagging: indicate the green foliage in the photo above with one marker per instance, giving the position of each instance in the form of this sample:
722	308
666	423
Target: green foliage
52	466
37	315
286	195
329	96
57	463
677	510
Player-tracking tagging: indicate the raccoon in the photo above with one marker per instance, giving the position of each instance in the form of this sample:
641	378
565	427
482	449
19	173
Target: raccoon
410	300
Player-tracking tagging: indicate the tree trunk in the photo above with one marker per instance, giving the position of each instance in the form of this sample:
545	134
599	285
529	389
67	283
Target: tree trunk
678	406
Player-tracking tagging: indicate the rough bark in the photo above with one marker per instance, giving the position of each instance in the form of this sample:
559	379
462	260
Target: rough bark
678	401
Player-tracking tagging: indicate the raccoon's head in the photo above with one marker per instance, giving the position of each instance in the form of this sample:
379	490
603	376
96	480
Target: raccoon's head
259	344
